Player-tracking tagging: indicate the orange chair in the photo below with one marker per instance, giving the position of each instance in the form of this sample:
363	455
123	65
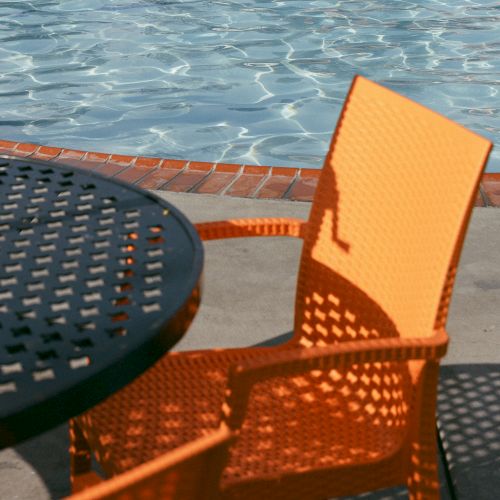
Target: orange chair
348	404
189	472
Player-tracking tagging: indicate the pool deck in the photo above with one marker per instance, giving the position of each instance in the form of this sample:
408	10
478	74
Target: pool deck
256	278
221	179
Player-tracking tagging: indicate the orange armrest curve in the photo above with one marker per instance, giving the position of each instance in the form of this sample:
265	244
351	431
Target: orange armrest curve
299	360
242	228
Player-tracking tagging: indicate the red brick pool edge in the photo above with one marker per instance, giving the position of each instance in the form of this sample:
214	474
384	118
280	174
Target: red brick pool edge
222	179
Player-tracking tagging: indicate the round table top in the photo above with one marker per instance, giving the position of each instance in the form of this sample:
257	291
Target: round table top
97	280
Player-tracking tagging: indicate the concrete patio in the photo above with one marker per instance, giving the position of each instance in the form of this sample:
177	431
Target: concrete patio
254	280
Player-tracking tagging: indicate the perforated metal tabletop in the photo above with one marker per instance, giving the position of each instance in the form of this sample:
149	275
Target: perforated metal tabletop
97	281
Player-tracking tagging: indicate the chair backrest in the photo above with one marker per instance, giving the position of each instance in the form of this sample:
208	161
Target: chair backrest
190	472
387	221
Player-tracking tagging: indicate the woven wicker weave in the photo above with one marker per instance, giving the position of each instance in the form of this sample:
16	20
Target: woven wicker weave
189	472
348	405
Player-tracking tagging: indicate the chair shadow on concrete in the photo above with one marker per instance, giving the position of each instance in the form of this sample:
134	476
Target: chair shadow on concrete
469	428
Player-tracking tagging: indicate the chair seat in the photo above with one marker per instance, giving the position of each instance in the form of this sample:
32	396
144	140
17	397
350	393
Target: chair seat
354	417
177	400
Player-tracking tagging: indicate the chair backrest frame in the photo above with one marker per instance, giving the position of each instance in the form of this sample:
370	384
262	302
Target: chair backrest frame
389	215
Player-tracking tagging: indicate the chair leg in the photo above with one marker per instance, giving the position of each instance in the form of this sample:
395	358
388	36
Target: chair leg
423	480
423	476
81	474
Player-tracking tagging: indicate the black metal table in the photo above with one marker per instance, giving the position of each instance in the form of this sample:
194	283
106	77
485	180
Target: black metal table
97	281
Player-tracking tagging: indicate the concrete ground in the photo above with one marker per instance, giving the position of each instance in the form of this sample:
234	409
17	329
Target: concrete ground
248	298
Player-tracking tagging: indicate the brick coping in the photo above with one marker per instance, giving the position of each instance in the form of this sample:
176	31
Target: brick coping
222	179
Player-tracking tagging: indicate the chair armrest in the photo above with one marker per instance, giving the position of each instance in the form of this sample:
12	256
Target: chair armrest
297	360
294	361
242	228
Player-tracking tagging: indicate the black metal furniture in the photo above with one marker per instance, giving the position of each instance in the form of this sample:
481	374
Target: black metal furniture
97	281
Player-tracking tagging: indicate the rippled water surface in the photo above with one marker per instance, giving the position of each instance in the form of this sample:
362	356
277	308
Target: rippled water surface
257	82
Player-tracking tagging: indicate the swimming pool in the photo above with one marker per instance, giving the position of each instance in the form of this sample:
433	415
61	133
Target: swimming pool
256	82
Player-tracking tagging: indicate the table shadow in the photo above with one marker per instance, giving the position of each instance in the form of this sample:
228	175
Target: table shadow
274	341
48	455
469	428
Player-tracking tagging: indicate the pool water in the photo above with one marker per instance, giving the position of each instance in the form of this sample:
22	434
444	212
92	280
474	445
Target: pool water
255	82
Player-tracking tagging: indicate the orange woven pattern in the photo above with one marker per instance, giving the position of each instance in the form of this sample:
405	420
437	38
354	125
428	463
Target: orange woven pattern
378	218
348	404
175	402
189	472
